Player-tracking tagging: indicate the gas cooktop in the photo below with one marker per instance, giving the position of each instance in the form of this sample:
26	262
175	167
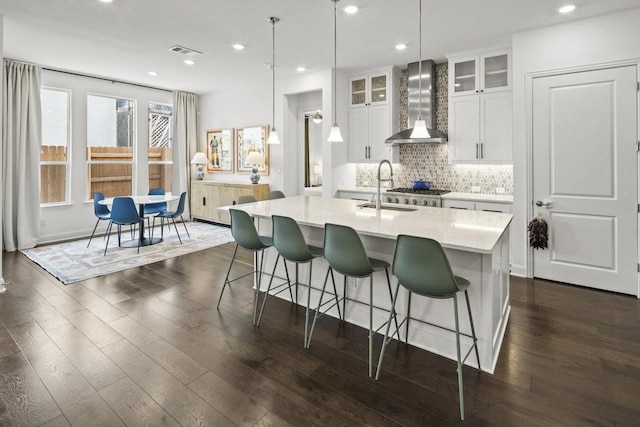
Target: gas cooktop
408	190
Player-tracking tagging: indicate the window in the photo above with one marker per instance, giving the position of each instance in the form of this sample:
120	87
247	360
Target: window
54	151
160	146
110	138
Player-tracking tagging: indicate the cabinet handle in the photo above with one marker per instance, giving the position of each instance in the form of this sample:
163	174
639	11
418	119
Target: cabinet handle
482	150
204	201
477	150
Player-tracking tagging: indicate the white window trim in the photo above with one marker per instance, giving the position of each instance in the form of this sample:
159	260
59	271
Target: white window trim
134	156
67	163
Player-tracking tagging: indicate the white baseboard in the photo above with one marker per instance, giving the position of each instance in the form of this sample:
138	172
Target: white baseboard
519	270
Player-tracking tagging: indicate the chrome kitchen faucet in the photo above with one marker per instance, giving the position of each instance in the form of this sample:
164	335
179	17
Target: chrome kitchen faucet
386	179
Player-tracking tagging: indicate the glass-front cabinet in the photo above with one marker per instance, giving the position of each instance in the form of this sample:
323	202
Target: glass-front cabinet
478	73
369	89
373	112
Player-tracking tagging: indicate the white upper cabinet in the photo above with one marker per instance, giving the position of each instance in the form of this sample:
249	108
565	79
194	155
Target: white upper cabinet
479	72
370	89
480	107
373	116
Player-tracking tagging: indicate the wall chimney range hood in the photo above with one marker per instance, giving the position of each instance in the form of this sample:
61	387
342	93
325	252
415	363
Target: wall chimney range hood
428	104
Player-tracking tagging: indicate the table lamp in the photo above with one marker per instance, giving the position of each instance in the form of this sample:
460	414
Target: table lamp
199	159
255	160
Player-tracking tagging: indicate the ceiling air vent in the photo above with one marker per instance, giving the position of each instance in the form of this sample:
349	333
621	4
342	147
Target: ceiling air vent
184	50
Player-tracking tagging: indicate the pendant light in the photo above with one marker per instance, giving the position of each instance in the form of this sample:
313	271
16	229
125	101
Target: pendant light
420	127
273	135
335	136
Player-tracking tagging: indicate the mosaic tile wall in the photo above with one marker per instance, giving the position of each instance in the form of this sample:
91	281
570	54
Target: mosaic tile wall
431	161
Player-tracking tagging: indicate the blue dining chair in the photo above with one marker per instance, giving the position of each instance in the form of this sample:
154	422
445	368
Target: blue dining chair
102	212
153	209
123	212
172	216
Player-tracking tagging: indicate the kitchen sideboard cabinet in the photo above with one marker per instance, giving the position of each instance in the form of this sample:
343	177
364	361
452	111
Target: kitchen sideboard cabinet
373	102
208	196
480	108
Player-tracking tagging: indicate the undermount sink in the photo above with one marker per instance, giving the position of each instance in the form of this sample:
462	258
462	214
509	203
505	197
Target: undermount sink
387	207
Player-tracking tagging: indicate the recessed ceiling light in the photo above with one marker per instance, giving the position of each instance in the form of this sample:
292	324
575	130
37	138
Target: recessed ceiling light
351	9
301	69
401	46
189	61
238	46
567	8
152	73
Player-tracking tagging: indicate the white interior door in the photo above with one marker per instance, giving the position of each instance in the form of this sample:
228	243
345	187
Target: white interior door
585	174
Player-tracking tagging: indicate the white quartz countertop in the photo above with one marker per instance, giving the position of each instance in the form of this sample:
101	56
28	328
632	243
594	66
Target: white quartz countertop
467	230
367	190
479	197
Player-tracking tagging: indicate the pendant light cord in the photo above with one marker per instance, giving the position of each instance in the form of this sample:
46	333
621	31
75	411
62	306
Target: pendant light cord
273	72
420	61
335	57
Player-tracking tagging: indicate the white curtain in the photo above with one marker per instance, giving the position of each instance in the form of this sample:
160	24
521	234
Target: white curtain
185	139
21	140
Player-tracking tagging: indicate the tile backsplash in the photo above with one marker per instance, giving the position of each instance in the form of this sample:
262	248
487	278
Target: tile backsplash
430	161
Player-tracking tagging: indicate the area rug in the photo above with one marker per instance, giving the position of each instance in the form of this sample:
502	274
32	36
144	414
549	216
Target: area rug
72	261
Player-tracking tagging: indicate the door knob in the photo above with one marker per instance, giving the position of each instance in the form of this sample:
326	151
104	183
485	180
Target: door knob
544	203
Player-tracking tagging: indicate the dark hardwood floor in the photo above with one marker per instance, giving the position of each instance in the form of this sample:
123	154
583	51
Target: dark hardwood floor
147	346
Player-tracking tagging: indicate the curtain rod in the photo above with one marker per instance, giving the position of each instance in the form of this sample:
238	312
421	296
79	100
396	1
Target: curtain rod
105	79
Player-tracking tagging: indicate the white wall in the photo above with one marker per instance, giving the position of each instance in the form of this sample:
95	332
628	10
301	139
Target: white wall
76	218
250	105
590	42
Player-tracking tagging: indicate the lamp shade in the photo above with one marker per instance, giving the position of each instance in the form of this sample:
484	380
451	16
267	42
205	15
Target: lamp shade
254	158
199	159
317	169
420	130
273	137
335	135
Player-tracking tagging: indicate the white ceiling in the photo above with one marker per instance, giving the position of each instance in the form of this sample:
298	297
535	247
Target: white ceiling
127	38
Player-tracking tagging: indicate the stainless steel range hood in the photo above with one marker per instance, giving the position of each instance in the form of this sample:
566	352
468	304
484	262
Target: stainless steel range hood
428	104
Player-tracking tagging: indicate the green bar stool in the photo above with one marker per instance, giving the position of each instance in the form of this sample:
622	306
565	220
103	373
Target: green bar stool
246	236
422	267
346	254
291	246
246	198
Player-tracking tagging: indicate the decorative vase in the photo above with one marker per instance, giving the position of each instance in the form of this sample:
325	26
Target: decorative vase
254	177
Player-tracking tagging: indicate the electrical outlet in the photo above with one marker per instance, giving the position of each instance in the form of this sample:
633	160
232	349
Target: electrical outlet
500	190
475	189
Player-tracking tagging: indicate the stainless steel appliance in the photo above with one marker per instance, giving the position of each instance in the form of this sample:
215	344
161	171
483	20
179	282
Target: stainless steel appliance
409	196
428	103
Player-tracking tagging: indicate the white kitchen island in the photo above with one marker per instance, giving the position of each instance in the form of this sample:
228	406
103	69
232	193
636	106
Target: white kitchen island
476	243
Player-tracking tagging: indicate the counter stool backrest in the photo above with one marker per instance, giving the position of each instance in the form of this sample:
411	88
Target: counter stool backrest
244	231
421	266
276	194
246	198
288	239
345	252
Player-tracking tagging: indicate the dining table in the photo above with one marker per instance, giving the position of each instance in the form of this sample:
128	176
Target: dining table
141	201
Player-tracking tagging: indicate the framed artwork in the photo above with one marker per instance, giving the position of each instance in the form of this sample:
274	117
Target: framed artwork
220	150
252	139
